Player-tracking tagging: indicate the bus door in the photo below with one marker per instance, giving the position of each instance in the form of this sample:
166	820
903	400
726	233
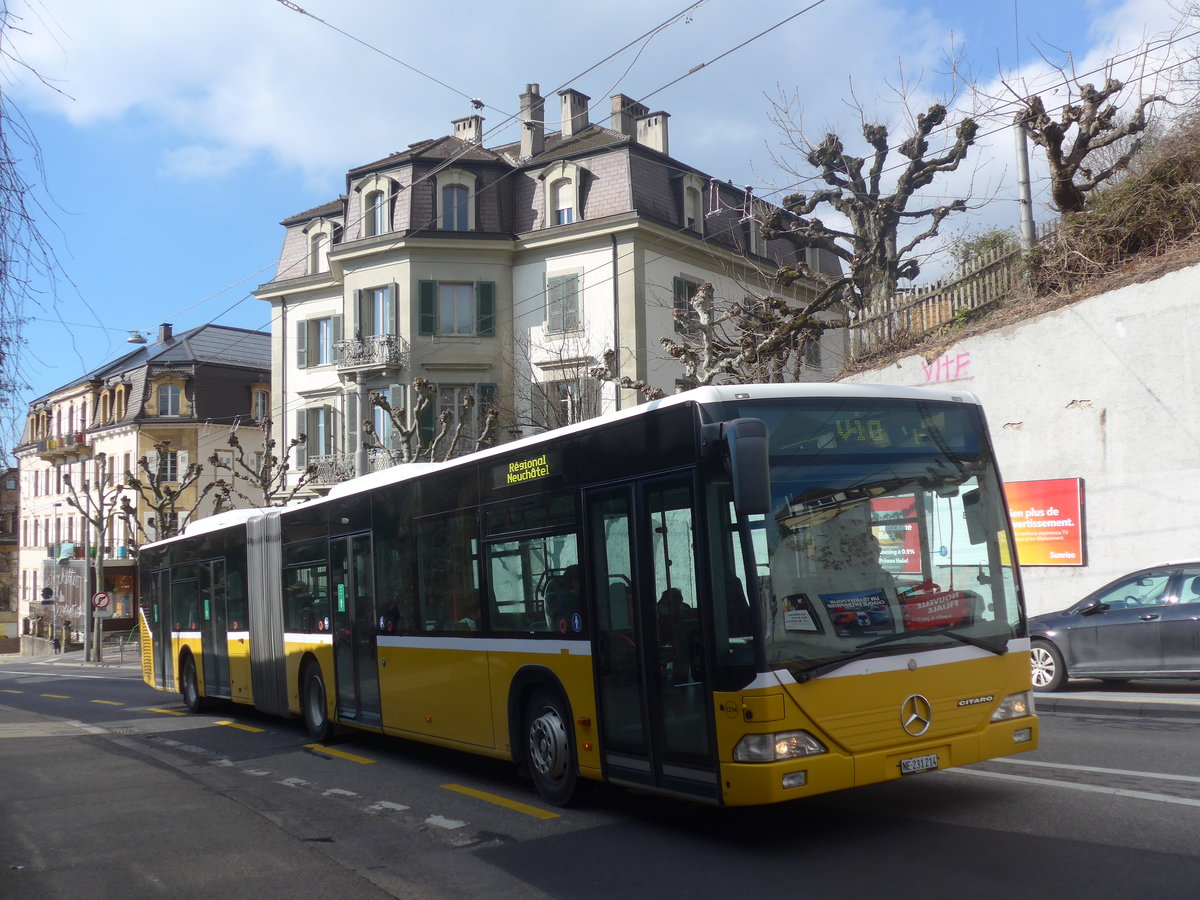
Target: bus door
355	668
655	711
160	623
214	629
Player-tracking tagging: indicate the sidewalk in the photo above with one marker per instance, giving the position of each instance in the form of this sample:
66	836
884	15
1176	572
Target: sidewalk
75	659
1136	698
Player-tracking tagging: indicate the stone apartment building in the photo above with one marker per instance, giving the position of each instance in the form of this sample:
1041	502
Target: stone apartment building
10	512
505	273
190	389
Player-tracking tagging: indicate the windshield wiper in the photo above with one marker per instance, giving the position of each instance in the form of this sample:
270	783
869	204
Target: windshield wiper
989	646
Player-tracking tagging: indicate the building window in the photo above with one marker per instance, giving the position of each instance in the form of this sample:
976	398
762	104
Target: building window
317	423
119	404
316	341
316	256
262	405
450	398
377	310
684	290
165	465
562	304
565	402
812	352
453	308
456	200
693	202
454	208
375	216
562	195
168	400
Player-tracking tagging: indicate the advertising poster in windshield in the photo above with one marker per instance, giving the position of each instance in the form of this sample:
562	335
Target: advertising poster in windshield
1047	520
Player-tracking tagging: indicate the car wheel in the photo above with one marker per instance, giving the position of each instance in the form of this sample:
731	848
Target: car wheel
313	704
189	685
549	748
1049	670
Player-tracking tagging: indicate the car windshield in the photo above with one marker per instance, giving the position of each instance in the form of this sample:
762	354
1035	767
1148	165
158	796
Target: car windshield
888	534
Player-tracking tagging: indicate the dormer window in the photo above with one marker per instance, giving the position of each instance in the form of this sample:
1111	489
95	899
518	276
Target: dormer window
693	202
321	235
260	403
561	183
456	200
375	214
316	258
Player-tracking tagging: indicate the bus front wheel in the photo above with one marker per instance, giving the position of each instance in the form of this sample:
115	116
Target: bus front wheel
189	685
549	748
313	705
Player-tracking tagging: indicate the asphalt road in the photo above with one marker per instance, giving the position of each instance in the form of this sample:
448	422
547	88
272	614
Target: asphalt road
111	790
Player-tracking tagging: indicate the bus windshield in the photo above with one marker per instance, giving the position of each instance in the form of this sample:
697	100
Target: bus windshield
887	533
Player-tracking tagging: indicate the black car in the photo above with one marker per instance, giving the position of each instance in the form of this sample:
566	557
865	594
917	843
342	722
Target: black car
1143	625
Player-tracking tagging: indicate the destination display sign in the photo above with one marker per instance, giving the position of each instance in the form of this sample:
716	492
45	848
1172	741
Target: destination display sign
525	469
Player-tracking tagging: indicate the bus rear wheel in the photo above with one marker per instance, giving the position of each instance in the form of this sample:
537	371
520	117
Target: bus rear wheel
189	685
550	750
313	705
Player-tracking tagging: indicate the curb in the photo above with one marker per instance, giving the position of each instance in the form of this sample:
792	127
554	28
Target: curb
1156	706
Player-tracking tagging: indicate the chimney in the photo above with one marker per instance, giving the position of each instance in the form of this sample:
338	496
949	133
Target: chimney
164	333
625	112
533	122
652	131
574	112
469	129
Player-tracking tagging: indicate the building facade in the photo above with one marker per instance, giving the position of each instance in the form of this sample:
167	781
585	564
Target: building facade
189	389
10	512
505	274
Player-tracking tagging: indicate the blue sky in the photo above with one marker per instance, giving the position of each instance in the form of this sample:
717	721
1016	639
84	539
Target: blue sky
182	132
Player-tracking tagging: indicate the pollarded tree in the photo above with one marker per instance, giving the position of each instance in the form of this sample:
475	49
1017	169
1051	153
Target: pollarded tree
875	253
161	487
262	480
1087	129
450	431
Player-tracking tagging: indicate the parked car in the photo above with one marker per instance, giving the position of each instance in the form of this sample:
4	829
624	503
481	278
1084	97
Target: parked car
1143	625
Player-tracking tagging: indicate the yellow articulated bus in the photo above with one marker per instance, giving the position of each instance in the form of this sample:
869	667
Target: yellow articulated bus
736	595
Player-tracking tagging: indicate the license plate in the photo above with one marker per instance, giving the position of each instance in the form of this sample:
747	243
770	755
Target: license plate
915	764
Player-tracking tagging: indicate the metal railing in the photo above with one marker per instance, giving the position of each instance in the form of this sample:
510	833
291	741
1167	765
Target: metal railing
372	350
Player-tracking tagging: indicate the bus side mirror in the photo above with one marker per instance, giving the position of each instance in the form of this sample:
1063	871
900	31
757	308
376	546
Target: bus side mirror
749	465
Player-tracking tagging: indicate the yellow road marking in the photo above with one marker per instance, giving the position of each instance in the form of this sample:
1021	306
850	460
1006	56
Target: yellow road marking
165	712
7	691
502	801
57	696
241	727
109	702
340	754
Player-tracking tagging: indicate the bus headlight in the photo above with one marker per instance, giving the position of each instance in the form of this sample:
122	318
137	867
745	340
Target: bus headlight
772	747
1014	706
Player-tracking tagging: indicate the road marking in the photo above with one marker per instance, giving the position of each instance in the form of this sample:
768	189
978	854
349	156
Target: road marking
1193	779
240	727
293	782
386	806
502	801
338	792
1075	786
443	822
7	691
322	750
165	712
109	702
57	696
257	773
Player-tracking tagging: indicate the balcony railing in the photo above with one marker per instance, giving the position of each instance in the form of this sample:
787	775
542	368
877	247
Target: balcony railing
338	467
376	350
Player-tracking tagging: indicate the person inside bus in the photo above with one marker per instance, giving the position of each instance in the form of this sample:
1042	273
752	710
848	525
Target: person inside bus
676	628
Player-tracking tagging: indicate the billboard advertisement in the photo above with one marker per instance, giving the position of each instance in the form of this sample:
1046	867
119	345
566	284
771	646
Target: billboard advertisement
1047	519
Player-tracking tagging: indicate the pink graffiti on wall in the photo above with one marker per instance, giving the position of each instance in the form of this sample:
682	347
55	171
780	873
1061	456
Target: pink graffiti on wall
949	367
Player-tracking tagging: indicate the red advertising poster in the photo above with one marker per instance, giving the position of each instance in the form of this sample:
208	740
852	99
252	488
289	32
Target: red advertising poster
1047	518
894	522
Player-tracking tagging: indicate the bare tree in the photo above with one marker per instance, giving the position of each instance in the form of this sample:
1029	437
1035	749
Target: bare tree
96	503
1087	125
27	260
871	245
161	491
450	431
262	480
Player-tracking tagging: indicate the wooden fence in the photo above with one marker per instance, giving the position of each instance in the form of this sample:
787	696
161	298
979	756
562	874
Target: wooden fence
916	312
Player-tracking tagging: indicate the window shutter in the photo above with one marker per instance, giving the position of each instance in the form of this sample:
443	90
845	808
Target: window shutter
397	399
362	314
485	308
571	303
554	311
301	450
681	302
427	422
428	307
302	344
394	308
152	462
336	335
181	460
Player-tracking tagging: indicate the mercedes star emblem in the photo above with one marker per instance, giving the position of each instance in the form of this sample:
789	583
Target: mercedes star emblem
915	715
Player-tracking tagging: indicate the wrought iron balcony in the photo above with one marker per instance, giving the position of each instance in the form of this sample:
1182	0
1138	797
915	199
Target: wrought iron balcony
373	351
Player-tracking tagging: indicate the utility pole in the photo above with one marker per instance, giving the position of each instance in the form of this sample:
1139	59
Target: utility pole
1024	195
